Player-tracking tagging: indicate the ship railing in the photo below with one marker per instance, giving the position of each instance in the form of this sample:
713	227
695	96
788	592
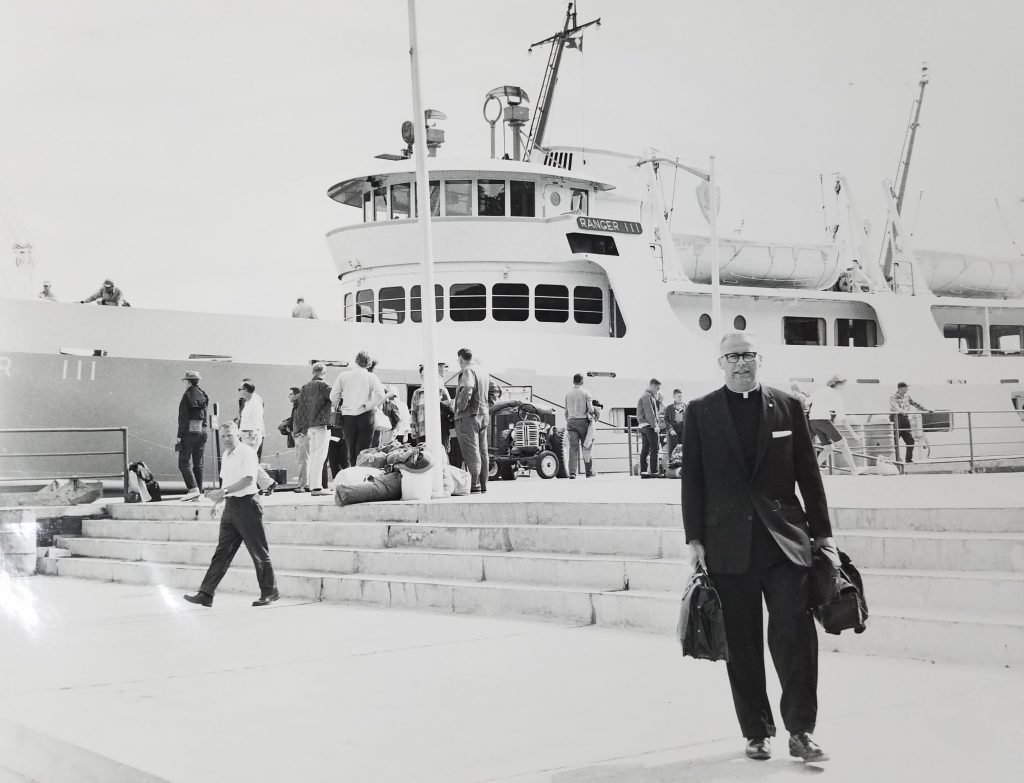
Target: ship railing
975	438
77	441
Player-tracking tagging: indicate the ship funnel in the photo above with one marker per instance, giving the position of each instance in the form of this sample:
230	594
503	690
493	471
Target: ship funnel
513	109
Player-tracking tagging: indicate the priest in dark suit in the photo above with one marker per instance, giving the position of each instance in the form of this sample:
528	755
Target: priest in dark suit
746	450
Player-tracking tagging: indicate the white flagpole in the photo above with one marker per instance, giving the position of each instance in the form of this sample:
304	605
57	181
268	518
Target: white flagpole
716	290
431	393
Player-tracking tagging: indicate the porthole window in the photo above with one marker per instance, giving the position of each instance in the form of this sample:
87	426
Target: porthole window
556	198
704	322
739	323
551	303
467	302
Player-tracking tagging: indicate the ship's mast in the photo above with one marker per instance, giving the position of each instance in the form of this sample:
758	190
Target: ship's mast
903	171
569	38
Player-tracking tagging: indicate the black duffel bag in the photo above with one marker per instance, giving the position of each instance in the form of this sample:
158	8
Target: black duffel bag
837	594
701	628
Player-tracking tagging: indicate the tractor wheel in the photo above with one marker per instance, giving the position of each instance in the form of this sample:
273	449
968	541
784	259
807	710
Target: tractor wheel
492	469
547	464
558	442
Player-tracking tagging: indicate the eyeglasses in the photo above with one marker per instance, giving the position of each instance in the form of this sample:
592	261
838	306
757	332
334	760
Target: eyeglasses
733	358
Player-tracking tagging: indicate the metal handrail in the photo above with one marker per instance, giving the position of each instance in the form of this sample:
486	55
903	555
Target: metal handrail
123	452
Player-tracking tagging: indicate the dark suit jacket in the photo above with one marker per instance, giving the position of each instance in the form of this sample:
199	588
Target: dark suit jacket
722	502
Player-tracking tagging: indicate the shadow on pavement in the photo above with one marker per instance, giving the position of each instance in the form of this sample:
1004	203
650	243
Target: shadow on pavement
710	769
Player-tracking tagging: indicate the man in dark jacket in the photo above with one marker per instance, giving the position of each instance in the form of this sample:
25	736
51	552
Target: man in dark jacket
746	449
310	426
191	441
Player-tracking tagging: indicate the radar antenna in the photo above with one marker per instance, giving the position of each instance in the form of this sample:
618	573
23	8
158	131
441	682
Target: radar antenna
570	37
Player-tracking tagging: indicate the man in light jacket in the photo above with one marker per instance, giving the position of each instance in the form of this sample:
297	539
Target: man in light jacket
472	417
360	393
647	408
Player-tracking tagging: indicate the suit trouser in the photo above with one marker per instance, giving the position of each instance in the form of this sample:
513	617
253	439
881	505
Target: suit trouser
358	431
192	447
472	434
319	441
337	451
791	639
241	523
649	445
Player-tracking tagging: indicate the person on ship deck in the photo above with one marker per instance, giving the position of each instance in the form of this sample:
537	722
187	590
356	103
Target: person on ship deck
109	295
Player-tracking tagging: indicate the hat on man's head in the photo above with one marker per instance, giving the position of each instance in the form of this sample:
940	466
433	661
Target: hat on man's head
47	282
191	375
902	385
108	282
249	387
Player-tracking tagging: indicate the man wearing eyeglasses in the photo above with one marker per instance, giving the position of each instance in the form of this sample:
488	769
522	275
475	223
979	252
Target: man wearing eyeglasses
746	449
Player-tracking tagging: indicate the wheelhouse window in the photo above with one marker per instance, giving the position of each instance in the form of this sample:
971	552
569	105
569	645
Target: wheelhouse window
467	302
798	330
587	304
856	332
966	337
415	314
391	305
349	309
551	303
401	204
522	199
435	198
458	197
364	306
510	301
1006	339
579	202
490	195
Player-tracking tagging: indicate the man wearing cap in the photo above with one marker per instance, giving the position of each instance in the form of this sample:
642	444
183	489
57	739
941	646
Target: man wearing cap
109	295
901	404
191	442
47	294
241	522
303	310
309	427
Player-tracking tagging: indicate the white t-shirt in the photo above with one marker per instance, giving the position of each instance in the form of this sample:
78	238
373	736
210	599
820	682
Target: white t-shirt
240	461
823	402
359	390
252	415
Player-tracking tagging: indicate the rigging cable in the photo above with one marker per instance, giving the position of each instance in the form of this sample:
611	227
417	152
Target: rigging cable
1002	220
675	180
917	211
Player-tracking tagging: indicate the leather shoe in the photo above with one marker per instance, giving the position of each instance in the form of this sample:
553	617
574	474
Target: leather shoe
265	600
803	747
759	748
199	598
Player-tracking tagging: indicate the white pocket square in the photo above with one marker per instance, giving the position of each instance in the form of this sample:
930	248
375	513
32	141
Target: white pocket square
782	433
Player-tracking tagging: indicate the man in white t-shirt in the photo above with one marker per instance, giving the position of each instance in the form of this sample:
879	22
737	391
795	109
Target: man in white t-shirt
251	431
240	523
360	393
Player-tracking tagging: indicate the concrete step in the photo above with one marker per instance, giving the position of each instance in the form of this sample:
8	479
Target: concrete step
934	551
951	520
604	572
925	634
645	542
466	511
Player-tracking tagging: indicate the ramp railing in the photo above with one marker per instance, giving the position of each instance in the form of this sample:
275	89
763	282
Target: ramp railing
54	465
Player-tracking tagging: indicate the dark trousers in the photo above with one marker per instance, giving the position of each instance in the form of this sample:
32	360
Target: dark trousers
903	432
791	639
649	445
241	523
337	452
358	433
191	449
675	437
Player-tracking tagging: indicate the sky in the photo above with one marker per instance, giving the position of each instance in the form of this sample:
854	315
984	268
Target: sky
184	147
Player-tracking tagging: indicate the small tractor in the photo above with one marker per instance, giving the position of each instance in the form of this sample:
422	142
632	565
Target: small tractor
525	436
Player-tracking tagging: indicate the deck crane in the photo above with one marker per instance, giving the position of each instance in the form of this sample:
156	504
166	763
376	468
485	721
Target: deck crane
570	37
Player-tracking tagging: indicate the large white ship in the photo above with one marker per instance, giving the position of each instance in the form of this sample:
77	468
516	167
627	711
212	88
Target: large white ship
544	268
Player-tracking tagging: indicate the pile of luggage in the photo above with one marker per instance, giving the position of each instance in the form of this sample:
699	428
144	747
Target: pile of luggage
396	472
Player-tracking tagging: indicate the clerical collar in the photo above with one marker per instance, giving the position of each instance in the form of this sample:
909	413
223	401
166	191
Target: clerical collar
745	395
